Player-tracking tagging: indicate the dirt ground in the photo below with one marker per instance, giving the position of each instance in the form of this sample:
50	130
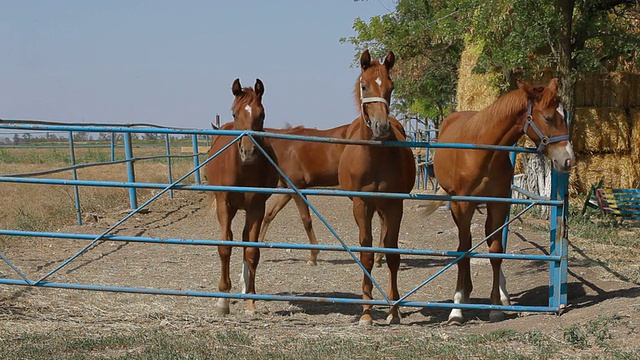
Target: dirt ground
594	289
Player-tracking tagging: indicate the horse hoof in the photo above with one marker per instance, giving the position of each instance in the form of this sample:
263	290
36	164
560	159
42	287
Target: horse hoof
377	264
496	316
365	320
222	310
312	262
250	312
393	320
455	321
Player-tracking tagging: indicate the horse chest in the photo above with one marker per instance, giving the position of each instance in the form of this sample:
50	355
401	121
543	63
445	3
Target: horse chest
374	169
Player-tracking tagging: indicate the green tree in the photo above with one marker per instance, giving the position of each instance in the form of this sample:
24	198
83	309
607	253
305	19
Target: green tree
572	37
426	77
519	39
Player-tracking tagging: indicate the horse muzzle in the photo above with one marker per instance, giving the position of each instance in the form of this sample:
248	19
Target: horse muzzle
379	129
248	152
562	157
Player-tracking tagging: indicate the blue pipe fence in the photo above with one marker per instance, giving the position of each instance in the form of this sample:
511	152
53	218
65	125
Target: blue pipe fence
558	203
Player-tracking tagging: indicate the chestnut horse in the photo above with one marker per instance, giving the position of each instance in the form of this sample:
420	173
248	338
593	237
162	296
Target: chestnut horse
377	169
244	165
466	172
306	164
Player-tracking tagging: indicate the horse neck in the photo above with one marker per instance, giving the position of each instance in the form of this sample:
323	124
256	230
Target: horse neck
503	121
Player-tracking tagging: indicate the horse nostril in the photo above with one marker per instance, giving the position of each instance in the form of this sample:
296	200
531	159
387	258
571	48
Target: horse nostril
383	127
567	163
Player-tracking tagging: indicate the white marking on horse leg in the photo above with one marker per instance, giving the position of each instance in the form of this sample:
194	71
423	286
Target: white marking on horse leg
379	81
504	295
455	317
222	307
248	108
243	276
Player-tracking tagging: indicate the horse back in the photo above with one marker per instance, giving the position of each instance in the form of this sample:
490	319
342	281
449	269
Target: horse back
309	163
469	172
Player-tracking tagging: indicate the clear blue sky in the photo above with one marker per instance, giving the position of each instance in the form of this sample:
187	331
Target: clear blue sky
172	63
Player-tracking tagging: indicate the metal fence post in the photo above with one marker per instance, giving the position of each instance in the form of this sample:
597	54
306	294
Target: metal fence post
168	149
131	174
196	159
113	146
76	193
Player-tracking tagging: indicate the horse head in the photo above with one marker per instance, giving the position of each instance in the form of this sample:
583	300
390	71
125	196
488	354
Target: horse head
373	93
546	124
248	114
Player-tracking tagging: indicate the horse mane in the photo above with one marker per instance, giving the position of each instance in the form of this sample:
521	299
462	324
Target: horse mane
509	103
288	126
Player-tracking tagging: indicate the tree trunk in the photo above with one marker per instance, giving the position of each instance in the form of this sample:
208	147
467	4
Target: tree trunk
537	177
537	168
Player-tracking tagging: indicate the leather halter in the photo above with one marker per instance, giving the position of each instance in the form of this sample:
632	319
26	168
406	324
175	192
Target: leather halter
366	100
544	139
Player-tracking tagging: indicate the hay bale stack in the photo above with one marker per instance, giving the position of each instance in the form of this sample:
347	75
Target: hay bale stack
634	90
475	91
634	138
618	89
601	130
617	170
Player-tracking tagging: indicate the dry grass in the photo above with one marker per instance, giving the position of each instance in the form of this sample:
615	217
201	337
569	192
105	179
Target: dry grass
41	207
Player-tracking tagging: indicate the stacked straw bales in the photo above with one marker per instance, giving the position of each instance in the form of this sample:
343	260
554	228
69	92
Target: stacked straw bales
606	131
475	91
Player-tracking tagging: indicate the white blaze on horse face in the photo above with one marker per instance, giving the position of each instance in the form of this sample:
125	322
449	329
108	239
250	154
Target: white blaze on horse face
379	81
248	108
569	147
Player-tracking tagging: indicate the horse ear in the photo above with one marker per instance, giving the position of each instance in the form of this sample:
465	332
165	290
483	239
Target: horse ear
236	88
389	60
523	85
553	85
259	87
365	59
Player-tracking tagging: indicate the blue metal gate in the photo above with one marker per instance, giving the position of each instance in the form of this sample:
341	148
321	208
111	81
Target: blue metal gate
558	202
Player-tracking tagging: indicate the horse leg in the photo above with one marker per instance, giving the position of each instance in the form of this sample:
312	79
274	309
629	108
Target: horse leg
274	209
255	214
305	216
225	216
378	260
462	213
391	218
363	215
496	215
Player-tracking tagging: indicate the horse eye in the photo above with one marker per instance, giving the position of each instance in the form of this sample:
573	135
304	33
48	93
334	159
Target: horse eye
548	118
234	115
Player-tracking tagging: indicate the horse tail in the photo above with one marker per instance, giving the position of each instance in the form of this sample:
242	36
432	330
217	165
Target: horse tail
433	205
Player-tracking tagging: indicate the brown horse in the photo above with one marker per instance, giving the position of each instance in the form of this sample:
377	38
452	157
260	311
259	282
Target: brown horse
377	169
306	164
466	172
243	165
